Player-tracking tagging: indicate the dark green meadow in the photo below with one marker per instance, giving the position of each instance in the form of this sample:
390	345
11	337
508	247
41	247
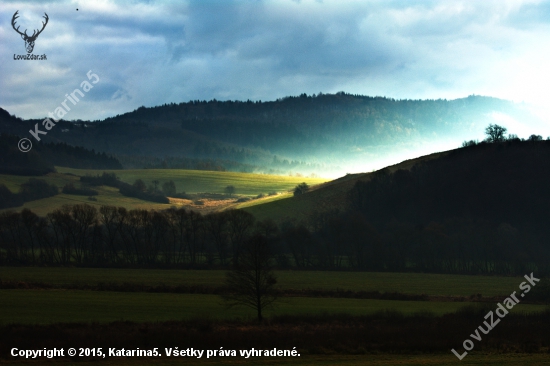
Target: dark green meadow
42	295
77	306
411	283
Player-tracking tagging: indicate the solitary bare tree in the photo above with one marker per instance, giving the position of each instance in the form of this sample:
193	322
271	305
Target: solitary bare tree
251	282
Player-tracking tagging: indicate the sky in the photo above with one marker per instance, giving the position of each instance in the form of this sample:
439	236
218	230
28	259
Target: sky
147	53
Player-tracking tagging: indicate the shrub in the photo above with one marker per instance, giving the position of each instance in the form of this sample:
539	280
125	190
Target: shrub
169	188
106	179
230	190
301	189
134	191
469	143
35	189
535	138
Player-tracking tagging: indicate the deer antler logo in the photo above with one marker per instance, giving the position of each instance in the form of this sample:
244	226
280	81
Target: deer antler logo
29	40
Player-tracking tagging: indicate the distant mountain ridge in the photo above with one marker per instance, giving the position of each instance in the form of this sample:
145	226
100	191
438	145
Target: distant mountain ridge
306	134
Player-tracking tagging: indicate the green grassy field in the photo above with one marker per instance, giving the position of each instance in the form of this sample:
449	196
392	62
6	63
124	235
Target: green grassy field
195	181
106	196
70	306
33	306
411	283
286	208
264	200
189	181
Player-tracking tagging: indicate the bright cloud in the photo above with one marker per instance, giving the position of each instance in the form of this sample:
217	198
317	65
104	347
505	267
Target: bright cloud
151	53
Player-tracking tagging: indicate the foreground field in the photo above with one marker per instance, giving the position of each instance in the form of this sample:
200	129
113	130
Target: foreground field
326	330
68	305
74	306
410	283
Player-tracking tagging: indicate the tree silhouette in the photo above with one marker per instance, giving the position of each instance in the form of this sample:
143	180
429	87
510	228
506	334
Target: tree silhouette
140	185
169	188
495	133
301	189
535	138
251	282
230	190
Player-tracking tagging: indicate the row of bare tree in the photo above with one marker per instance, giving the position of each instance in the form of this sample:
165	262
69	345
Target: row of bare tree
83	235
113	236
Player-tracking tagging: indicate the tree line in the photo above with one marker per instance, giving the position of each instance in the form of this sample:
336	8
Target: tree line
84	235
177	238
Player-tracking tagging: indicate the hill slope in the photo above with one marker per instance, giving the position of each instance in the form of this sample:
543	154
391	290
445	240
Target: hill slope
323	134
325	197
502	181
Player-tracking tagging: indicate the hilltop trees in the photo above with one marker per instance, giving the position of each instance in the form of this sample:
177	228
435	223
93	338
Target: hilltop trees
495	133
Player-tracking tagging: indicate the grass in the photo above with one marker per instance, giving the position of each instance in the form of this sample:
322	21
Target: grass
63	306
325	197
474	359
411	283
285	208
196	181
75	306
189	181
264	200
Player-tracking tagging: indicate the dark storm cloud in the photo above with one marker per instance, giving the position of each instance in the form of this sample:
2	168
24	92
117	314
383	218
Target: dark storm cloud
150	53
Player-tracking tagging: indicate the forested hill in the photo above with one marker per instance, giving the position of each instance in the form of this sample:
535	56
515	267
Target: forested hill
42	158
482	208
319	133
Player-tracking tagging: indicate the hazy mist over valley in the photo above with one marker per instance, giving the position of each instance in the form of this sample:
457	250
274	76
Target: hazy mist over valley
326	135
